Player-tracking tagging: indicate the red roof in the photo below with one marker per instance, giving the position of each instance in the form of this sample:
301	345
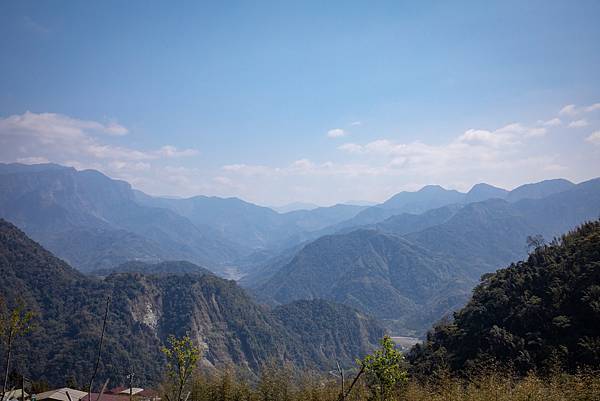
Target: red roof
107	397
147	393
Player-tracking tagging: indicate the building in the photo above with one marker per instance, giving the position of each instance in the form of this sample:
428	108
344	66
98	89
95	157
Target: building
61	394
15	394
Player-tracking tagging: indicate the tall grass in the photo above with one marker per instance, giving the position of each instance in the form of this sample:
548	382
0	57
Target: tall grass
280	385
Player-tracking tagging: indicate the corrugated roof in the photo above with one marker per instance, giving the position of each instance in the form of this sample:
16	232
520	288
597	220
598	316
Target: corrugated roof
14	394
61	394
134	391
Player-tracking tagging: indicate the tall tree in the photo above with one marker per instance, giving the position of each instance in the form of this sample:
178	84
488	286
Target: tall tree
384	369
182	359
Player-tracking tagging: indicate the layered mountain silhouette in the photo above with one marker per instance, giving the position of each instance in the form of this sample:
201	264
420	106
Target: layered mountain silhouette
96	222
412	269
409	260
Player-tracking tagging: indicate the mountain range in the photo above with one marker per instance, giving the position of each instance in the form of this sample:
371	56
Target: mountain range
145	308
96	222
408	261
411	270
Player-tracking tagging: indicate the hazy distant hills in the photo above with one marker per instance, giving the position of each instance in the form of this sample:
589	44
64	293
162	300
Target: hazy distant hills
434	196
408	260
251	226
410	269
146	308
96	222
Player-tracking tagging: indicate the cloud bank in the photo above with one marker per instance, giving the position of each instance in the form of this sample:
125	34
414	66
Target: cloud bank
564	145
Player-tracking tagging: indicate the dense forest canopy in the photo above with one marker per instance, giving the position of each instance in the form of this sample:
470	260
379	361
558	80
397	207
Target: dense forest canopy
539	314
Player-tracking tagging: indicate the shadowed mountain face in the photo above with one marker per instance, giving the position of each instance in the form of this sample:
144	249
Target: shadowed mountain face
413	266
145	309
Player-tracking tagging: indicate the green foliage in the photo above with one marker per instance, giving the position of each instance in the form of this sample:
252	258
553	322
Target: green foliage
488	386
384	369
144	308
541	314
14	323
182	359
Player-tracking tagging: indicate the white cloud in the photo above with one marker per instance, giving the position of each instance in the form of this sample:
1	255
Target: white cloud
355	123
51	126
336	133
578	123
59	138
32	160
572	110
569	110
552	123
114	128
351	148
172	151
593	107
594	138
33	138
374	169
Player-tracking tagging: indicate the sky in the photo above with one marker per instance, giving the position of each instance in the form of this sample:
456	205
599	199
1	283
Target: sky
278	102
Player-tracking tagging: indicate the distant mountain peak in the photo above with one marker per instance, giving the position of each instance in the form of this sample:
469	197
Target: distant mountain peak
483	191
433	187
540	189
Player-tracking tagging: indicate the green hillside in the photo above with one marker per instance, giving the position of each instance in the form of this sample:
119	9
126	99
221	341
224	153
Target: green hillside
541	313
145	309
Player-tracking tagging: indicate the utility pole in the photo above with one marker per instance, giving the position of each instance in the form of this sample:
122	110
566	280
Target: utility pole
130	377
99	350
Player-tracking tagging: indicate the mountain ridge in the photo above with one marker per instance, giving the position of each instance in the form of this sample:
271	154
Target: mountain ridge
144	309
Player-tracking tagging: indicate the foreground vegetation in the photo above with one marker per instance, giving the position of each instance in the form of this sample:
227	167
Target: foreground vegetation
280	385
540	314
381	376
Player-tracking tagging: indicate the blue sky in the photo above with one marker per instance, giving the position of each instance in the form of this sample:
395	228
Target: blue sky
303	101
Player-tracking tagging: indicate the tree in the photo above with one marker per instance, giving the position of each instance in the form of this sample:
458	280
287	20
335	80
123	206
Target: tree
535	241
384	370
182	358
13	323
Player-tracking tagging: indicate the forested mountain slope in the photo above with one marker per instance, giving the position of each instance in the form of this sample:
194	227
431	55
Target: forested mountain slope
145	309
541	313
399	274
179	267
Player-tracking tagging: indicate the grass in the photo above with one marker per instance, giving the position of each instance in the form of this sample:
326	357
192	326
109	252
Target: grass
280	385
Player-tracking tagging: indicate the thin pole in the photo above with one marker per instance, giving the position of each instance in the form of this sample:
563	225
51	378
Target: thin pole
10	337
99	350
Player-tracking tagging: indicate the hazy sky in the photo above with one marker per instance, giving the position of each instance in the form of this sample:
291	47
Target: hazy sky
303	101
